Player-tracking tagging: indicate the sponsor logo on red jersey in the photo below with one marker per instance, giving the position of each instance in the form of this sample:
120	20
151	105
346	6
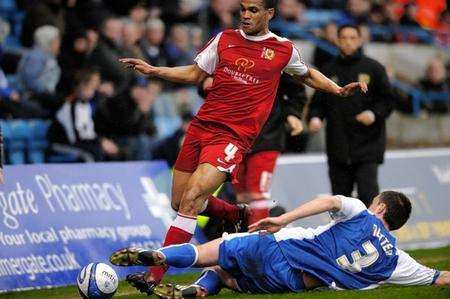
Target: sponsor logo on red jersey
244	64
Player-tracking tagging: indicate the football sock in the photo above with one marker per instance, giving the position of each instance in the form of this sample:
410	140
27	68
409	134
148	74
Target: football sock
259	210
181	255
221	209
181	231
210	281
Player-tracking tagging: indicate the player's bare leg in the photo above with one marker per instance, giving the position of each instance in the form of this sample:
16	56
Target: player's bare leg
199	187
189	193
179	183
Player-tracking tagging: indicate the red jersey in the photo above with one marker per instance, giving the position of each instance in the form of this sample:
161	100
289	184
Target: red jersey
246	71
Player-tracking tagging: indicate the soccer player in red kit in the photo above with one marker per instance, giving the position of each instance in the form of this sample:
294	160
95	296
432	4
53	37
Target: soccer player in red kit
246	64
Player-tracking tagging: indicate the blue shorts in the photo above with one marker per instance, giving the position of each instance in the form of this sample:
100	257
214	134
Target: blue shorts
258	265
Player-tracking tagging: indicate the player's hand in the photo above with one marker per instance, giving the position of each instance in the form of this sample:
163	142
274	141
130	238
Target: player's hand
350	89
138	65
269	225
295	124
366	117
315	124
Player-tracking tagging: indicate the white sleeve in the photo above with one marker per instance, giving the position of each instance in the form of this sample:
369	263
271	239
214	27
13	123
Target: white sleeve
349	208
207	59
296	65
410	272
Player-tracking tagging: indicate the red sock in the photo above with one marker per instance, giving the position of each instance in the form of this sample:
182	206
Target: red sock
221	209
181	231
259	209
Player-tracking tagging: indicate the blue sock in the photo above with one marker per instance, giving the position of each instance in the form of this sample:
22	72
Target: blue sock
210	281
180	255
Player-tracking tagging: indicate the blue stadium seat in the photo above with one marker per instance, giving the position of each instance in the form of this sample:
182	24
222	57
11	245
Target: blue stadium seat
15	135
37	141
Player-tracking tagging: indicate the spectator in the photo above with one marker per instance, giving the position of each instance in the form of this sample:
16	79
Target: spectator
409	17
131	36
179	48
152	44
38	14
6	91
329	36
127	120
197	41
72	131
84	15
291	11
107	53
75	52
443	29
378	15
169	147
38	73
435	81
10	100
138	14
38	70
355	130
222	15
357	12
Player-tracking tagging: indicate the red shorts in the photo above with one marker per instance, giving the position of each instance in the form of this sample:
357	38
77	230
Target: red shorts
216	147
255	172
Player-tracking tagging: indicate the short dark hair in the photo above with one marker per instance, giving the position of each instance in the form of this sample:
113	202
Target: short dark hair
398	208
84	75
342	27
269	4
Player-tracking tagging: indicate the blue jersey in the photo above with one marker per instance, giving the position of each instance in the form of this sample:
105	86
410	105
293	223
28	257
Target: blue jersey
354	251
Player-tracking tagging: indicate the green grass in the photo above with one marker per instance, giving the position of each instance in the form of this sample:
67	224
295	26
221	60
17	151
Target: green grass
435	258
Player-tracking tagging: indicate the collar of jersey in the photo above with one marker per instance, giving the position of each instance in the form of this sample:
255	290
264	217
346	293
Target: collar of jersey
257	38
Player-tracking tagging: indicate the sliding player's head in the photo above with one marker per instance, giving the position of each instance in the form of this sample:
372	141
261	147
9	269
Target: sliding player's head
393	207
255	16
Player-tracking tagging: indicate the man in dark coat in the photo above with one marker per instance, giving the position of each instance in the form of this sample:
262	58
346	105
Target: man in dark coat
355	130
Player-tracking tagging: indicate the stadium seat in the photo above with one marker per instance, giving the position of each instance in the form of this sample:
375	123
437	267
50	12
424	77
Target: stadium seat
37	142
15	135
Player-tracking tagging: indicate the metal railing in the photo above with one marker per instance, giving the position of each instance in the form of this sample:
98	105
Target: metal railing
418	96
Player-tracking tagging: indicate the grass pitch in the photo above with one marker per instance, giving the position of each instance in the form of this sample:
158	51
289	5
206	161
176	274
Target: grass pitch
434	258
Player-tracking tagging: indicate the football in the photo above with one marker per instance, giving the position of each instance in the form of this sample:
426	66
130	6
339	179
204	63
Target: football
97	281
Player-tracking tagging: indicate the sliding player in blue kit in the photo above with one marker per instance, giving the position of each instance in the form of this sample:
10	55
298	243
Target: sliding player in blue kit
354	251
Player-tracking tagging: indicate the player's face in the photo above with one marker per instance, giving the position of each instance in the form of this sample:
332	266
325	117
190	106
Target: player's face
378	207
374	204
349	41
255	17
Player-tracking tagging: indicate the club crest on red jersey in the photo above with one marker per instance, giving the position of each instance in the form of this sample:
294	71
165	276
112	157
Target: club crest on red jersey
268	53
244	64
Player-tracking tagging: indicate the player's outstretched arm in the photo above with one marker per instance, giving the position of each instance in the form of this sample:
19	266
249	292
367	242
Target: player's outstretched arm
190	74
443	279
313	207
315	79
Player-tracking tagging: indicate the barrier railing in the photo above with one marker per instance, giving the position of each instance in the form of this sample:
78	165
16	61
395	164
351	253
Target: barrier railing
418	96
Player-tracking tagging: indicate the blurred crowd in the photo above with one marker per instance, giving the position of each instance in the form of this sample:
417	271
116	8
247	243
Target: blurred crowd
63	62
